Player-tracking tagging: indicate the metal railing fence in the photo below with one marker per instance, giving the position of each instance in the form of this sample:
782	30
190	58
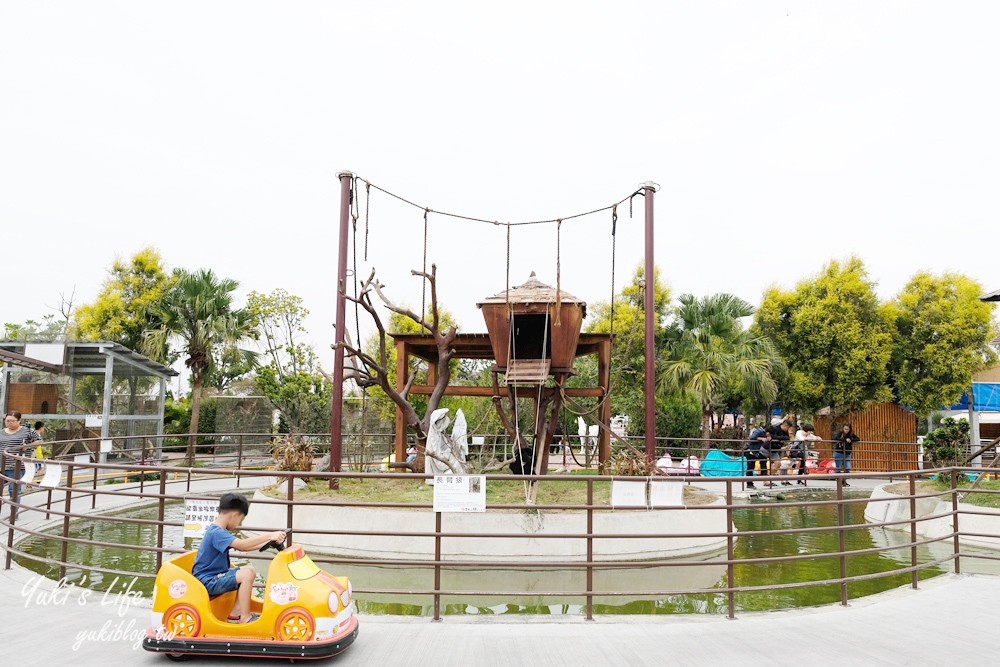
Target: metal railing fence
77	493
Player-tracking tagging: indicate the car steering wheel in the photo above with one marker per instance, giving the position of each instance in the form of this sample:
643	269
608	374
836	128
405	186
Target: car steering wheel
277	546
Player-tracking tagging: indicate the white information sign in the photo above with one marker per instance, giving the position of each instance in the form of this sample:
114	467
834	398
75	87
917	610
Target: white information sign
199	515
29	473
93	421
460	493
106	446
53	473
628	494
81	458
664	493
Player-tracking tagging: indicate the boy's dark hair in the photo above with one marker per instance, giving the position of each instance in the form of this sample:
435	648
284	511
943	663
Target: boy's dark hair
38	425
234	502
808	427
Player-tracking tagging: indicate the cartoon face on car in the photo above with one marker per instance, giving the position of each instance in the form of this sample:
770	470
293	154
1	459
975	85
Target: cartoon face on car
283	593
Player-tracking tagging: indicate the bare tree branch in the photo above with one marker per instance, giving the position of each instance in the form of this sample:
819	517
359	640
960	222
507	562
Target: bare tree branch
409	385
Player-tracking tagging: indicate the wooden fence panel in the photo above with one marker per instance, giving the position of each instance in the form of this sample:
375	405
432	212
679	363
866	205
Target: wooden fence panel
878	423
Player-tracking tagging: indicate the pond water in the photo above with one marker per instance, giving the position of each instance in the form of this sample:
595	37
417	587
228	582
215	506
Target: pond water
759	514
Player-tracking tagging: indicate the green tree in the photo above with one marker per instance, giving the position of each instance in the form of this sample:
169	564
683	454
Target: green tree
198	311
47	329
628	370
292	378
710	355
126	307
835	337
943	335
124	312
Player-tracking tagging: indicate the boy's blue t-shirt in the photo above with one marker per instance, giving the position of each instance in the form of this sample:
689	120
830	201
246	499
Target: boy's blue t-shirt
213	553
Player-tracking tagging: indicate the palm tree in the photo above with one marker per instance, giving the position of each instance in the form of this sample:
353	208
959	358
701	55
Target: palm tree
709	354
198	310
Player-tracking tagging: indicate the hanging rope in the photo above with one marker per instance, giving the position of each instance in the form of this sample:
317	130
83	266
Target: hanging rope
614	224
507	288
558	275
423	296
354	244
357	317
494	222
545	344
368	199
512	390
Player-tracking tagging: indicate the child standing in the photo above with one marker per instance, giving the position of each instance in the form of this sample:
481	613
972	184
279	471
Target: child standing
211	564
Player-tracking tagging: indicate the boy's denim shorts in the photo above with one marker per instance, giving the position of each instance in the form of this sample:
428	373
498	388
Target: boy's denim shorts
222	582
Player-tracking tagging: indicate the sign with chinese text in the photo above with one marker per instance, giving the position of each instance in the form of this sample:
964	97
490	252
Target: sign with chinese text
199	515
460	493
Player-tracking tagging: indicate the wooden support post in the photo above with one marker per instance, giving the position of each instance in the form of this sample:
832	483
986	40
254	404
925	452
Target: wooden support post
604	382
402	370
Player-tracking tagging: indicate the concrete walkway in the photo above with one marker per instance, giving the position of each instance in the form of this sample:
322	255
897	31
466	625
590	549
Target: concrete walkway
901	627
46	626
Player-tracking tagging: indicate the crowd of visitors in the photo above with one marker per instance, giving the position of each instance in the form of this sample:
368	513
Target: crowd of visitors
783	447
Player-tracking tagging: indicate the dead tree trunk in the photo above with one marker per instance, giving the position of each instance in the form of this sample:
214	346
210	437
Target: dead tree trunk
373	371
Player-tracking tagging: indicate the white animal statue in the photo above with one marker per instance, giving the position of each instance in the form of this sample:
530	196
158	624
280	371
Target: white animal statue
453	451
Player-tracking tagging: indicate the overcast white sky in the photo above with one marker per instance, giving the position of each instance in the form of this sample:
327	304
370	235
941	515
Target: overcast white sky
783	134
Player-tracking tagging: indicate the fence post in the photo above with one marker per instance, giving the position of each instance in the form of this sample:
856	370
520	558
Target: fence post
954	520
239	458
590	549
159	516
13	510
841	540
730	551
913	530
67	508
437	566
290	495
93	496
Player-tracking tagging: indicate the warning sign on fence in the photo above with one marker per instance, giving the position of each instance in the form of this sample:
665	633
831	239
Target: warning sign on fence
199	515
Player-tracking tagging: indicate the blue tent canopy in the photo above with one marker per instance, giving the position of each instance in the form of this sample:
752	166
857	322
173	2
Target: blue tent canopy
986	397
718	464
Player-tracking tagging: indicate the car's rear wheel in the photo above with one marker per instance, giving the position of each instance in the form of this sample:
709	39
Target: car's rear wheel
295	625
182	621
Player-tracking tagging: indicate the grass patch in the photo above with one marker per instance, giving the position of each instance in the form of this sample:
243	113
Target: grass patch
944	484
498	492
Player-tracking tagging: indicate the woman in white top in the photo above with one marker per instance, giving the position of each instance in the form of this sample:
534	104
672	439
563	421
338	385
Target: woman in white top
800	448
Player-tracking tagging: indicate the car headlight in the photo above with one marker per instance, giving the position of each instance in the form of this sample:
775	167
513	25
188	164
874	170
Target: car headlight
345	598
333	602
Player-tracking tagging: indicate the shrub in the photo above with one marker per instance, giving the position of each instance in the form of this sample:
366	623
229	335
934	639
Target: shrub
946	446
293	453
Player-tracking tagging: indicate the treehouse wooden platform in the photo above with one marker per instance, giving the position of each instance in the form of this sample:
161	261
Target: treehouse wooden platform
478	346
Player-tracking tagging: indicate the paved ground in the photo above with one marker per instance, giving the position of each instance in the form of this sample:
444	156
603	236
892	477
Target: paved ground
901	627
43	626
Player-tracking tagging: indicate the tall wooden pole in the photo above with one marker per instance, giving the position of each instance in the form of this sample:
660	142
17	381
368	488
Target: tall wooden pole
337	402
649	313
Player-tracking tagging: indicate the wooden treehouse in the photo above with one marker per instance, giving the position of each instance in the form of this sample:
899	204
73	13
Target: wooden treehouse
534	339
